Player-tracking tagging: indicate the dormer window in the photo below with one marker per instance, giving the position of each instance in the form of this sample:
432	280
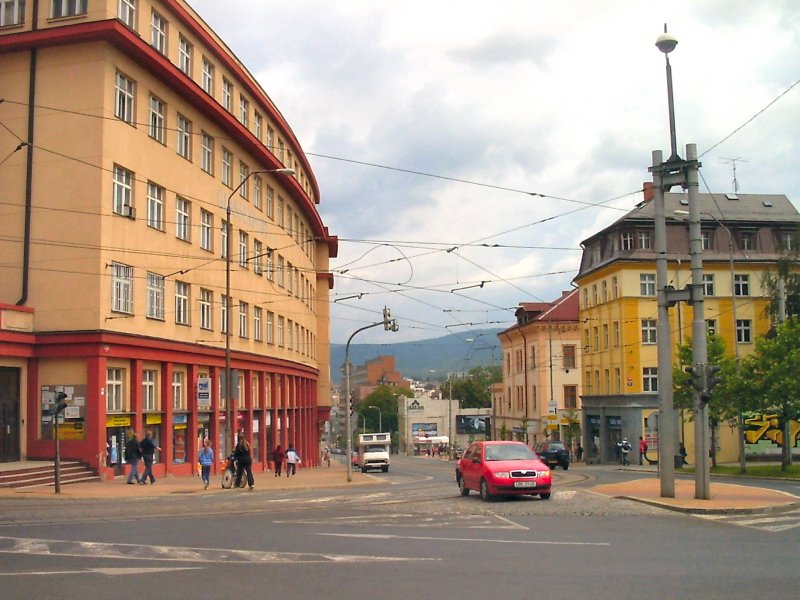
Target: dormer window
747	239
626	240
644	239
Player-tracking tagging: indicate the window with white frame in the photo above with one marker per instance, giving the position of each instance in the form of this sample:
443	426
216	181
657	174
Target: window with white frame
244	318
650	379
207	153
185	52
178	395
708	284
257	192
155	296
280	331
67	8
12	12
258	256
243	246
280	150
208	77
270	265
705	238
270	143
123	190
206	313
649	331
227	95
124	95
158	32
647	284
270	327
244	111
741	285
121	288
281	271
280	212
290	335
149	397
155	206
644	239
748	240
711	326
270	203
788	240
223	315
183	221
244	182
206	230
257	333
115	380
289	277
227	167
181	303
626	240
184	146
744	333
258	125
616	334
158	120
224	240
126	12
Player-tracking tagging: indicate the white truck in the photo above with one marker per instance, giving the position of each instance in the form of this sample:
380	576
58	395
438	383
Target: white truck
373	451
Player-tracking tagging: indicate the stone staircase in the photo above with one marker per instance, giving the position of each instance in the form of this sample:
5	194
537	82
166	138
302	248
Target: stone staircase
31	475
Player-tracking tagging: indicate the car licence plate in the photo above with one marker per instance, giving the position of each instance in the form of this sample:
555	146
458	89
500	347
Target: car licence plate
524	484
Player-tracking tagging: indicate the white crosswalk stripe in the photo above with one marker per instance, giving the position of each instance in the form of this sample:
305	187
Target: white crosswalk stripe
774	522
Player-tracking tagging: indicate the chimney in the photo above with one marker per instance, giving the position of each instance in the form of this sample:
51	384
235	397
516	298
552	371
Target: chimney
649	191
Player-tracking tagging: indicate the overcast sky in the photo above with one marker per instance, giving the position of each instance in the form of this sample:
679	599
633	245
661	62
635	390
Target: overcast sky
548	112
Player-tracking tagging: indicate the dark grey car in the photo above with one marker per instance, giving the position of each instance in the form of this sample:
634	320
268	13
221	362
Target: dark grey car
553	453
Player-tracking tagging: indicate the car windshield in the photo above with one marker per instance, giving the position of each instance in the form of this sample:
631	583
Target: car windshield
509	452
375	448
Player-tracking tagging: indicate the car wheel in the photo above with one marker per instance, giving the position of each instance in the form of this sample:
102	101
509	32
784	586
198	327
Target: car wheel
462	487
363	469
545	496
485	493
566	466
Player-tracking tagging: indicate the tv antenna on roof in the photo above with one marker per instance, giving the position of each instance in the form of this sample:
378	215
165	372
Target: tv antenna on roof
733	161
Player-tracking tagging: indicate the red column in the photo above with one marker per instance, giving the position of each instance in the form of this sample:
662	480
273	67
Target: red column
213	425
96	420
192	373
33	407
165	440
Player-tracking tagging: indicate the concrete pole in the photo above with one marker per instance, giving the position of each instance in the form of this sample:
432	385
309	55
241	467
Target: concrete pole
666	422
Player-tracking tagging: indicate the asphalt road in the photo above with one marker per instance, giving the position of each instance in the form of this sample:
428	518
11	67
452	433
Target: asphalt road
414	537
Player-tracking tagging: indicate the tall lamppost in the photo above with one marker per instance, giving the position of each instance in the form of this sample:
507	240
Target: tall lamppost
380	421
389	324
228	304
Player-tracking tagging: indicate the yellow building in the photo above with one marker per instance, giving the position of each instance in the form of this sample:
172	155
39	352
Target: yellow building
743	236
541	376
130	136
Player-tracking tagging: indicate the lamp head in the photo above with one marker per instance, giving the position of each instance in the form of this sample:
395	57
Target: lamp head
666	42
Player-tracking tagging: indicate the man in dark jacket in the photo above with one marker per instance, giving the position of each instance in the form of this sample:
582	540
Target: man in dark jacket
244	462
132	456
148	448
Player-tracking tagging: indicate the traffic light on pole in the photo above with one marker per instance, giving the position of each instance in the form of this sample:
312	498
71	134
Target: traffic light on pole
698	373
712	379
387	318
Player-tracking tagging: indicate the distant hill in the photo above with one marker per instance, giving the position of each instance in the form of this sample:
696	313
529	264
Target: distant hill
450	353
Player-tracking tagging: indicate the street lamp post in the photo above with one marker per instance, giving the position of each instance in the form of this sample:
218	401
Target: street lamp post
228	304
380	421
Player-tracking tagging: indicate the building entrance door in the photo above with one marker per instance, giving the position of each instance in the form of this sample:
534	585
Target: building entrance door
9	414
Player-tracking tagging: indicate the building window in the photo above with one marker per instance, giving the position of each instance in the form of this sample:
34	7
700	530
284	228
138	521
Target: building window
178	396
270	265
158	116
224	240
122	288
158	32
244	111
155	296
244	184
270	327
149	378
626	240
280	212
185	51
280	331
227	95
123	105
650	379
711	326
614	287
596	337
206	314
594	294
270	144
12	12
123	191
181	303
257	336
649	331
705	237
183	223
747	239
708	284
270	203
227	167
743	331
258	253
741	285
184	137
243	246
289	335
280	272
569	357
155	206
206	230
67	8
616	334
257	192
604	290
126	12
788	240
617	380
208	77
647	284
115	379
244	309
280	150
207	153
258	125
644	239
223	306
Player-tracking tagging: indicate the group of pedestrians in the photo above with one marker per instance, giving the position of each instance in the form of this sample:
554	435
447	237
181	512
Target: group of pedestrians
144	450
291	457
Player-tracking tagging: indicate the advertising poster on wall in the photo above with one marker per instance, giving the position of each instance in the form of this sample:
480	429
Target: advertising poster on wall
473	424
424	430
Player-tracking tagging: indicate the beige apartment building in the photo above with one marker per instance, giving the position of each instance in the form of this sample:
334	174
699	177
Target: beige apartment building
540	394
132	144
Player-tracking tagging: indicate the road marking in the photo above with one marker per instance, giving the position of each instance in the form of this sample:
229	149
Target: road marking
102	571
379	536
101	550
414	520
767	522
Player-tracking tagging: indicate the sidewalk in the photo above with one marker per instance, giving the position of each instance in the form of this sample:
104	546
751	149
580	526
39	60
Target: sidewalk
306	478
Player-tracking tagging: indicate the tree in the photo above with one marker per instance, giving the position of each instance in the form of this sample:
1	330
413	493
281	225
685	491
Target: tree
383	397
473	390
785	271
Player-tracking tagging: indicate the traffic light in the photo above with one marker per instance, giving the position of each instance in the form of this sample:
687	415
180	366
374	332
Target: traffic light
698	373
387	318
60	405
712	379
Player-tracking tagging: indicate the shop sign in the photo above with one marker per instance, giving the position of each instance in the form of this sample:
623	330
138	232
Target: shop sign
182	418
118	421
152	419
204	393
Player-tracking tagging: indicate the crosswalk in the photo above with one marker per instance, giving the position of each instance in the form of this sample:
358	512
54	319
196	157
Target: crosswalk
772	522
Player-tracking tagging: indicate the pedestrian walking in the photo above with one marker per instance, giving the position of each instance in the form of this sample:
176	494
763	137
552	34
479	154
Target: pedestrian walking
148	449
579	452
642	450
682	452
206	459
277	458
625	448
132	456
326	456
292	460
244	462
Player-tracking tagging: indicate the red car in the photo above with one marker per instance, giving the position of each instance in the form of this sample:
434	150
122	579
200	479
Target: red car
502	468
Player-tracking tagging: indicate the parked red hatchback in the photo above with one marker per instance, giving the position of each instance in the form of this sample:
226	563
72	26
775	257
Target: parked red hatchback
502	468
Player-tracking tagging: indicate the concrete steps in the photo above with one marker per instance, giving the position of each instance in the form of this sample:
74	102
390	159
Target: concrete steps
72	471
